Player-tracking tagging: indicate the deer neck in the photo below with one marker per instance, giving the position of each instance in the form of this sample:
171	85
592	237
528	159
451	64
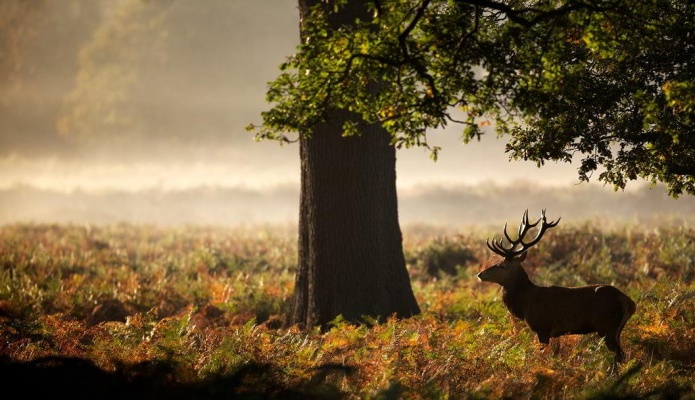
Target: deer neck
515	294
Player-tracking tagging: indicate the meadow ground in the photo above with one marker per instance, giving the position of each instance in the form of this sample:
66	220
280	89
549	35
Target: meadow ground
197	312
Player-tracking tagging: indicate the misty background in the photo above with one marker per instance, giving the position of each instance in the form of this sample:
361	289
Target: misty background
134	111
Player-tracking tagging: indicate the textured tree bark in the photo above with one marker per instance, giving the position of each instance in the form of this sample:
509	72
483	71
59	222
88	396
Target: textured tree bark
351	259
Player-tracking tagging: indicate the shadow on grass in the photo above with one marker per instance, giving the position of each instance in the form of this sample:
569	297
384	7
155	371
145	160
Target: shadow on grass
619	389
75	378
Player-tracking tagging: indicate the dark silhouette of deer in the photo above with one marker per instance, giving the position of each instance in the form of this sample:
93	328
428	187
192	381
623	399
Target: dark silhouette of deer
556	311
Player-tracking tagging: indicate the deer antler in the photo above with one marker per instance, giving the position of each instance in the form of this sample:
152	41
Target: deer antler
509	252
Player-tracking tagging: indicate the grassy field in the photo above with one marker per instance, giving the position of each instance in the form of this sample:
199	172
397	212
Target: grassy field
197	312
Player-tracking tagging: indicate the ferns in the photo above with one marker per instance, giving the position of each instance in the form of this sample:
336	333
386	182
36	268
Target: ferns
199	304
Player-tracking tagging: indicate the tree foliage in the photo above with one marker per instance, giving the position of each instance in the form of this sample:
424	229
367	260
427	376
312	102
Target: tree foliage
609	82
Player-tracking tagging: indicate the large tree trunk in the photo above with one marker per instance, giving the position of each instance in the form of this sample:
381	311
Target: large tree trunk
351	259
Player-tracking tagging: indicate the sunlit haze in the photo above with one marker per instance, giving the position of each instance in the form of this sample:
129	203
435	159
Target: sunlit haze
135	110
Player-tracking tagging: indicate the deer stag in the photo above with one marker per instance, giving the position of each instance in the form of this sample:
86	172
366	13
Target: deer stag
556	311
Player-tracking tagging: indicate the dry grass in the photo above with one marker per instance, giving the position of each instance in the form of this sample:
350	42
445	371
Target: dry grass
196	311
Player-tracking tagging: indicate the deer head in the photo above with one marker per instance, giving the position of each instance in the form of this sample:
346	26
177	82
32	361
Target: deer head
508	269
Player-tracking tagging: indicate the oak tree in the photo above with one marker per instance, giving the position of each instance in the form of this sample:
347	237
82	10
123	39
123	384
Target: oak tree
609	84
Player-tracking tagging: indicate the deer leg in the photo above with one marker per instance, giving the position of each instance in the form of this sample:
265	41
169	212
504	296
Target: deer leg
612	340
543	337
544	340
613	344
555	345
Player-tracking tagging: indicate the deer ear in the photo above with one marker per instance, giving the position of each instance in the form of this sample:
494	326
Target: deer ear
522	257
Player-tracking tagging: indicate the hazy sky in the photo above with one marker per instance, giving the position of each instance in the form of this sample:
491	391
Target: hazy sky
129	95
197	78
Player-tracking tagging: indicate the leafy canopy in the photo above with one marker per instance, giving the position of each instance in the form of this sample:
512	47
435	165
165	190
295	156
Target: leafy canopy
610	81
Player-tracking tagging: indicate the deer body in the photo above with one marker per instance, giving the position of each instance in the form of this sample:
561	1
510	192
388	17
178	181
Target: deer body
555	311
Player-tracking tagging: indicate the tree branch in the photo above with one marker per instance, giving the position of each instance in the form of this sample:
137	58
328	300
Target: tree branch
518	15
403	44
